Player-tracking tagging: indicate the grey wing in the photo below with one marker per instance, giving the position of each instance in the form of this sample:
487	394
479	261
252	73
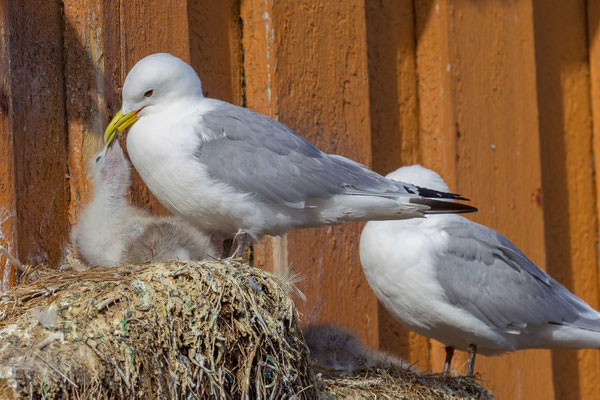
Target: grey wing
489	276
262	156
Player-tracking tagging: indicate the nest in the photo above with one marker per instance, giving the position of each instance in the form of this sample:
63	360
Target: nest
177	330
387	381
171	330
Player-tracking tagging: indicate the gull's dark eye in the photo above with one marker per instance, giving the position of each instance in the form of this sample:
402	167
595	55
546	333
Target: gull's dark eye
98	158
149	93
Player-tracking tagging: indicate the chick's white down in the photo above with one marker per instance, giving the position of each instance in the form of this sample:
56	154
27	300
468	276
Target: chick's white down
464	284
111	232
230	170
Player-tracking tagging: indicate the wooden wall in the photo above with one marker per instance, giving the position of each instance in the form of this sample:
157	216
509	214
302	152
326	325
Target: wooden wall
501	97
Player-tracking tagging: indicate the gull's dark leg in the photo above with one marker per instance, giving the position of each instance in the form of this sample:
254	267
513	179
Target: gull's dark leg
243	240
227	246
472	353
449	354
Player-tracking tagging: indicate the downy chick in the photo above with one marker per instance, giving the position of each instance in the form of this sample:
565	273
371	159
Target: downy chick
112	232
339	349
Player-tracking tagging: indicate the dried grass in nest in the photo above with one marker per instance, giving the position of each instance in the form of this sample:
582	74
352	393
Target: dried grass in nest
172	330
391	382
177	330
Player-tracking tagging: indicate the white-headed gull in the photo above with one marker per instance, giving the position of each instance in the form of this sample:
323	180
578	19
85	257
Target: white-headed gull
468	286
230	170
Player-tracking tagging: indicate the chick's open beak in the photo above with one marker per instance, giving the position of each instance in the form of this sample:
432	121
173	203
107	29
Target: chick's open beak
118	124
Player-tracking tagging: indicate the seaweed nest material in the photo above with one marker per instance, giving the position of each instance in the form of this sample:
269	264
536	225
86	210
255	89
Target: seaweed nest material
177	330
169	330
387	381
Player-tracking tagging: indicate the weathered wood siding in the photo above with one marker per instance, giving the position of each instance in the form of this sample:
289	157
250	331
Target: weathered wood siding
501	97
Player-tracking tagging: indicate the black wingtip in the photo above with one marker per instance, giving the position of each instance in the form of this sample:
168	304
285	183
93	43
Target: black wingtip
443	207
435	194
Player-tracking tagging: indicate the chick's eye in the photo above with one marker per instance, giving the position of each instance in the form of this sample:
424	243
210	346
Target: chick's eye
149	93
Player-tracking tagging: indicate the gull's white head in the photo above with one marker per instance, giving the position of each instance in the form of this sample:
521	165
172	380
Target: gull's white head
156	80
153	83
420	176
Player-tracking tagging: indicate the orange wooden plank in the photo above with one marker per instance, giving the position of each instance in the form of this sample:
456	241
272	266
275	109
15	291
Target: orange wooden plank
8	207
203	33
437	138
568	175
38	128
148	27
260	94
216	48
436	117
569	200
305	64
323	94
86	50
478	102
593	35
391	47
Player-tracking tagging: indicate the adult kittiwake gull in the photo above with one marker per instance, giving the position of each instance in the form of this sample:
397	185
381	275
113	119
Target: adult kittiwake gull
112	232
231	170
468	286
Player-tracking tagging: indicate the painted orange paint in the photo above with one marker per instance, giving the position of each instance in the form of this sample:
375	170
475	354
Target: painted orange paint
8	207
436	115
391	48
593	37
305	64
85	100
476	66
216	49
567	162
393	99
322	93
258	42
38	128
437	141
148	27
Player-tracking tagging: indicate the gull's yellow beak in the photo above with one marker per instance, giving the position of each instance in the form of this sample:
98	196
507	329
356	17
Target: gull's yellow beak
118	124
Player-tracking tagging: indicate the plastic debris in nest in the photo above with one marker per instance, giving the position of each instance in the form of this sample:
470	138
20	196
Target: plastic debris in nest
170	330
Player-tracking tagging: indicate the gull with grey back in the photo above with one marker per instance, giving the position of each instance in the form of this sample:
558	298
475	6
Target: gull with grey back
231	170
111	232
468	286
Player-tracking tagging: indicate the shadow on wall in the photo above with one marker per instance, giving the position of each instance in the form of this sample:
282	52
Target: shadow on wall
391	49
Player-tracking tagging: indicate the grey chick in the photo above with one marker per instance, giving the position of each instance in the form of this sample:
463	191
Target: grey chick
112	232
339	349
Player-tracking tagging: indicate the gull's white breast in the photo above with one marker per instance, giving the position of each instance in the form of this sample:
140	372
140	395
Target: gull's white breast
161	147
400	265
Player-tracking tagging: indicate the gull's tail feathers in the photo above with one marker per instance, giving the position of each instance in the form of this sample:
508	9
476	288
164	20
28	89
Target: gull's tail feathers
436	194
442	207
556	336
587	317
